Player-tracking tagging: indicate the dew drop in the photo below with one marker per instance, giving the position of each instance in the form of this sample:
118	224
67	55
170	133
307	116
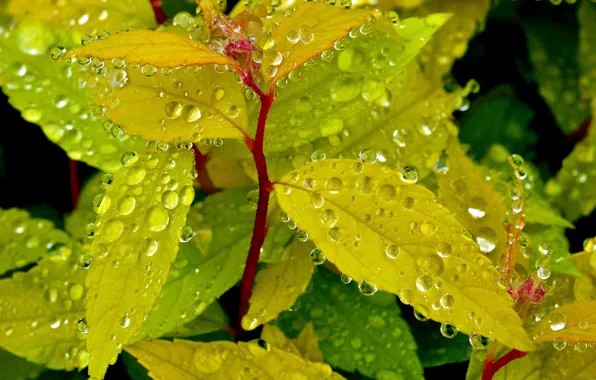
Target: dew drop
318	257
149	247
448	331
366	288
557	321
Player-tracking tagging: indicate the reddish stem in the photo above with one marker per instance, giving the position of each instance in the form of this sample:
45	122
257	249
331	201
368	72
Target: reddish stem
75	188
160	15
201	166
491	367
265	188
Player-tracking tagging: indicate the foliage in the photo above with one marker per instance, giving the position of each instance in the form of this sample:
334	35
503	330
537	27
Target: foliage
311	152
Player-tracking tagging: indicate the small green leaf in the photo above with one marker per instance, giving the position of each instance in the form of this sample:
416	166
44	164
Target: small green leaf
136	239
540	212
15	368
378	342
436	350
24	240
499	117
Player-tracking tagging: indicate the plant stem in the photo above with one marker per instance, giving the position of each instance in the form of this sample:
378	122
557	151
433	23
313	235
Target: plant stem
75	188
265	188
201	165
492	367
160	15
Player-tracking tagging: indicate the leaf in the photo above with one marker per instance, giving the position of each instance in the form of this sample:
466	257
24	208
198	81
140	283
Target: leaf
552	238
574	188
540	212
136	239
308	344
76	222
227	173
553	49
279	285
208	265
24	240
357	212
278	238
212	319
354	332
85	16
192	360
575	322
348	92
499	117
67	92
178	106
160	49
476	204
436	350
44	329
276	338
451	41
311	29
15	368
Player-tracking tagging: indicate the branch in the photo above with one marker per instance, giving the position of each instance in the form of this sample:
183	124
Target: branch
265	188
75	188
160	15
201	165
492	367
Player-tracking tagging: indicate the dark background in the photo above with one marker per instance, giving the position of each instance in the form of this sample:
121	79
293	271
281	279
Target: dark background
34	173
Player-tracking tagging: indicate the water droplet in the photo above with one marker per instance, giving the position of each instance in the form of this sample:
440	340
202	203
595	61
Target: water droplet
173	109
169	200
126	205
478	342
368	156
318	257
82	327
84	261
129	158
317	200
366	288
190	113
444	250
559	345
334	185
101	203
424	283
186	234
392	251
448	331
124	322
157	218
318	155
345	278
149	247
112	230
447	301
557	321
302	236
478	208
106	181
148	70
486	239
387	192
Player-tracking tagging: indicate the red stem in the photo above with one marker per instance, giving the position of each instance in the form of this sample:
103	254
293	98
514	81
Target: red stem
265	188
75	188
491	367
201	165
160	15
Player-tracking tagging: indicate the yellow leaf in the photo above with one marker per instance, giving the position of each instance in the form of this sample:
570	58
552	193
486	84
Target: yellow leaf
227	173
85	16
407	3
209	9
182	359
315	26
276	338
41	310
136	239
279	285
160	49
451	41
389	234
308	344
575	322
476	204
179	106
24	240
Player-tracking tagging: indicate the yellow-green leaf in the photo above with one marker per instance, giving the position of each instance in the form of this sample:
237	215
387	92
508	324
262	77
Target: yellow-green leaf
212	319
41	310
279	285
178	106
575	322
216	360
227	173
389	234
160	49
15	368
311	29
85	16
451	41
308	344
136	239
76	222
23	240
463	188
276	338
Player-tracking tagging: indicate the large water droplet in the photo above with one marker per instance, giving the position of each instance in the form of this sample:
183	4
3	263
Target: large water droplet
557	321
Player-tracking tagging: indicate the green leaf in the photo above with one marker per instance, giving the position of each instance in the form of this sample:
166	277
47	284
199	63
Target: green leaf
540	212
24	240
63	108
436	350
278	285
191	360
553	51
45	328
586	14
92	16
208	265
212	319
336	98
136	239
355	333
385	232
15	368
278	238
75	223
498	117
